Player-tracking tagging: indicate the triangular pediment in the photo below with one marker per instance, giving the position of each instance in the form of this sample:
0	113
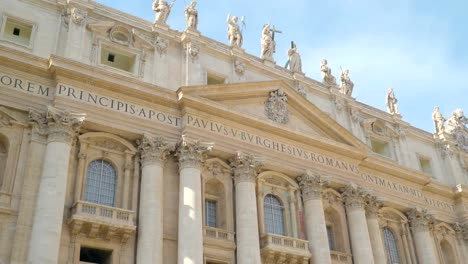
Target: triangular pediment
266	102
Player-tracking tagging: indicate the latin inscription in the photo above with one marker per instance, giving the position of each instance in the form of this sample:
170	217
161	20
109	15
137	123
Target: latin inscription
117	105
25	86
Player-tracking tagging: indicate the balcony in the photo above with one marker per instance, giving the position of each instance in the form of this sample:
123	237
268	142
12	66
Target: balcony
340	257
98	220
281	249
218	237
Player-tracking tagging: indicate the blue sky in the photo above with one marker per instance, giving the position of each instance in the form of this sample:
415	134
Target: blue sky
418	47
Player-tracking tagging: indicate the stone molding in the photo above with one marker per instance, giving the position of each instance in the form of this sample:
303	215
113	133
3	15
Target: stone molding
153	150
245	167
311	185
192	153
58	124
373	205
420	219
461	230
354	196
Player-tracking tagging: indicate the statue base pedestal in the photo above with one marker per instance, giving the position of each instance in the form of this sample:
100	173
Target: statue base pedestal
164	27
235	50
298	75
269	63
192	32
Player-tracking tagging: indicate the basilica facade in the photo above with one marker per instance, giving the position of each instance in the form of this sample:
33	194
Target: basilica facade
124	141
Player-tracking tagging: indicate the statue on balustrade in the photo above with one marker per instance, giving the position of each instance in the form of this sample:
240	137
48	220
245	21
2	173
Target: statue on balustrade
392	103
191	16
162	9
346	84
327	77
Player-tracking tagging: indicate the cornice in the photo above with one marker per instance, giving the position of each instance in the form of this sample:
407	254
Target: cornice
27	62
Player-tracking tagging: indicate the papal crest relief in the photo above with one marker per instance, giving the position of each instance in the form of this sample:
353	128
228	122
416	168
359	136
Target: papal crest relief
276	107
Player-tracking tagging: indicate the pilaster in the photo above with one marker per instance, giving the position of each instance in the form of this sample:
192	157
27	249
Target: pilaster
421	222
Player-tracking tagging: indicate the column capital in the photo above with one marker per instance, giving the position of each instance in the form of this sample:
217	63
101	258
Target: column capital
420	219
373	205
312	184
153	150
354	196
245	167
461	230
58	124
192	152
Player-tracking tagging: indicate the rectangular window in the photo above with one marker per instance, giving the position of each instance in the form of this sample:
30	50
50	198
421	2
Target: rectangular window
17	31
117	59
210	213
380	147
93	255
425	165
213	79
331	238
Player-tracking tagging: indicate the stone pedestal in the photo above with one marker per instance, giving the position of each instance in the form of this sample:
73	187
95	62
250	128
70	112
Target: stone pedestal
421	221
375	233
245	169
190	240
311	186
153	153
60	127
354	198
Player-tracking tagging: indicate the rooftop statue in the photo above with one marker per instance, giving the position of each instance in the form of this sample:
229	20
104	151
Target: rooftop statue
392	102
456	122
162	9
191	16
438	120
327	77
234	31
268	42
346	84
294	62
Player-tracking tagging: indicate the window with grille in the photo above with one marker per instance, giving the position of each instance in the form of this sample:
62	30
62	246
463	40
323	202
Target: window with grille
210	213
391	247
331	238
274	215
100	183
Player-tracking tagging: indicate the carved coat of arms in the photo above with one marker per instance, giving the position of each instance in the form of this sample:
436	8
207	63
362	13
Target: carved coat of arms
276	107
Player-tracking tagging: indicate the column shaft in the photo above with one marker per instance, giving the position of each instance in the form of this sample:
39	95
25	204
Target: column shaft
373	206
420	221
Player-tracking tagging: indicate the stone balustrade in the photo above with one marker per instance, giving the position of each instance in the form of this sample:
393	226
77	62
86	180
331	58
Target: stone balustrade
276	248
218	233
340	257
95	219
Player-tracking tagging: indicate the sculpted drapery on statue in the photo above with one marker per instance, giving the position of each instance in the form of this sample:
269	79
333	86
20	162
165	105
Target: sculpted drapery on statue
392	102
438	120
191	16
327	77
347	85
162	9
268	43
455	122
234	31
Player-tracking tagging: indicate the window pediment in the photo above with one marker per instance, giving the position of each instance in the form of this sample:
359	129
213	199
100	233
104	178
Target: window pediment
108	142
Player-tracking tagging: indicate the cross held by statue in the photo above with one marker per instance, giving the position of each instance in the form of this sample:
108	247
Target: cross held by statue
273	30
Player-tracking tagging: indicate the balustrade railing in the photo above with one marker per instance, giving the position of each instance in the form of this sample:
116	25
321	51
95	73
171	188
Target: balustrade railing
218	233
103	213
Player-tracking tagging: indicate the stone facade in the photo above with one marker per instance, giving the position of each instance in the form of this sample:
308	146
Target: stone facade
201	141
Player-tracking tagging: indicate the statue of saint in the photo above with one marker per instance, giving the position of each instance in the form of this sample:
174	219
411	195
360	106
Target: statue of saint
191	16
456	122
268	43
392	102
346	84
438	120
327	76
234	31
162	9
295	62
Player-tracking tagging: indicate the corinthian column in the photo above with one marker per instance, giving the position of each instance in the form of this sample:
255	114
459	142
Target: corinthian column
311	186
461	232
61	128
191	154
153	152
421	221
354	197
372	209
245	169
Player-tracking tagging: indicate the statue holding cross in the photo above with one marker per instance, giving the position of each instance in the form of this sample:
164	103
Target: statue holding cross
268	42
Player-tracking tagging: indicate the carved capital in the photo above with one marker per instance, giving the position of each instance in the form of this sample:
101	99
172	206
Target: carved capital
461	230
59	125
354	197
192	153
420	219
245	167
153	150
312	185
373	205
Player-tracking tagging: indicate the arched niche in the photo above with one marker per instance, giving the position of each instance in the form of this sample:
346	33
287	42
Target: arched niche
335	219
397	223
445	239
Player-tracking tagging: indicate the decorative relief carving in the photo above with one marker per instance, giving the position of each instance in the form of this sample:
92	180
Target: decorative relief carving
193	50
161	46
311	185
245	167
59	125
239	67
120	35
153	150
78	16
373	205
443	231
354	196
461	230
109	144
191	152
276	107
217	169
420	219
331	197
